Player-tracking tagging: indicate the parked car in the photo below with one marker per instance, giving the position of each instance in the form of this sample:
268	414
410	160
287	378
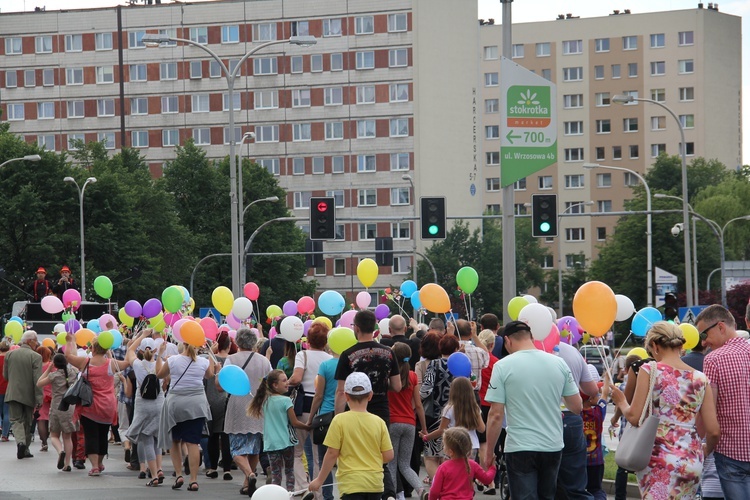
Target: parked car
593	356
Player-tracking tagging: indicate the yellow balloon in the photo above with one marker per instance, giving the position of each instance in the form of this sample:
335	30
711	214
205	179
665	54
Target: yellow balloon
191	305
14	330
367	272
586	338
157	322
84	336
48	343
223	300
691	335
638	351
434	298
515	305
124	318
340	339
324	320
595	307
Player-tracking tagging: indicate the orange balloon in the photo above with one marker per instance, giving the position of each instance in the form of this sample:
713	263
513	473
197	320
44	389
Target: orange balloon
434	298
192	333
595	307
84	336
48	343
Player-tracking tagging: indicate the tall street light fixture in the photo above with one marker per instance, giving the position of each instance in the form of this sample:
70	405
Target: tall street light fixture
625	99
408	178
243	264
240	201
649	254
559	255
696	299
23	158
152	40
81	190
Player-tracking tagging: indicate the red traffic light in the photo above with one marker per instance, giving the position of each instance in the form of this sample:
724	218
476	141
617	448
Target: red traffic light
322	206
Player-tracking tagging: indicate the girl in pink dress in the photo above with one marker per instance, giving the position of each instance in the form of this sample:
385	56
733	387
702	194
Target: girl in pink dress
454	479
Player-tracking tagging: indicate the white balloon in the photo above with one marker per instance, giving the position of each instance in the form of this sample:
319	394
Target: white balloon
552	313
59	328
530	299
625	308
292	329
539	320
270	492
242	308
384	328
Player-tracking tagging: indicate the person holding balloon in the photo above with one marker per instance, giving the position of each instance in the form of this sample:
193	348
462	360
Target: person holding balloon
218	441
462	410
22	368
42	416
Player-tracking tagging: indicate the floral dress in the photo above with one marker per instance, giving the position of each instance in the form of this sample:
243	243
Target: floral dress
677	458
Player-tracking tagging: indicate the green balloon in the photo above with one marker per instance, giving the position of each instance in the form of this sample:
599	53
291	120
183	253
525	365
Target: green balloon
106	339
103	287
61	338
171	299
67	316
468	279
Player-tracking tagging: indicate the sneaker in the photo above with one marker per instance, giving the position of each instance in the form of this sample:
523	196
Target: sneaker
480	486
228	476
251	486
490	491
78	464
425	495
4	439
61	460
127	455
21	451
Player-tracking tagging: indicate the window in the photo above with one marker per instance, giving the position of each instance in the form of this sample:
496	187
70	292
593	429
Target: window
48	77
543	49
333	96
603	126
399	127
630	125
490	53
519	209
316	63
518	50
690	149
296	63
339	267
334	131
168	71
602	99
135	40
105	107
365	129
629	43
398	58
617	152
300	28
492	158
196	69
599	152
337	164
202	136
520	185
493	209
573	74
169	104
685	38
572	47
599	72
688	121
199	35
632	70
574	207
266	133
43	44
139	139
658	122
545	182
170	137
318	168
657	149
29	78
492	132
301	132
200	103
46	110
604	205
365	60
601	233
658	95
301	98
11	79
615	71
366	163
105	74
367	197
574	154
547	262
73	43
266	32
400	196
75	109
630	179
137	73
13	46
73	140
366	94
492	184
401	230
633	93
574	234
573	128
573	101
108	138
331	27
337	62
687	94
601	45
399	161
547	74
270	164
633	151
685	66
265	66
46	141
491	105
298	166
657	41
603	180
237	135
337	195
302	199
399	92
103	41
230	34
364	25
266	99
574	260
396	22
491	79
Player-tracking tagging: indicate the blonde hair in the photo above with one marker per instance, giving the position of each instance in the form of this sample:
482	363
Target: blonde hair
665	334
466	411
487	337
190	351
457	440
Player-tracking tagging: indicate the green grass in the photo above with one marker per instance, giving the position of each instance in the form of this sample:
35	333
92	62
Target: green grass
610	468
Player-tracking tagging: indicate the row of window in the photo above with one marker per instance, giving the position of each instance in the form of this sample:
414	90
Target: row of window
367	197
401	265
604	126
572	101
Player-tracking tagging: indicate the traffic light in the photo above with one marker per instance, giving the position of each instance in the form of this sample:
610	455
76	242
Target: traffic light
322	219
433	218
384	251
543	215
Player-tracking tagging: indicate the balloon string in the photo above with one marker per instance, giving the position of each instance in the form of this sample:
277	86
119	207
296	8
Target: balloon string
471	309
617	353
466	307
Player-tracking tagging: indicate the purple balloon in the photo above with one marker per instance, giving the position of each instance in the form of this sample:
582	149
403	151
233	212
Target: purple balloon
133	309
306	326
72	325
151	308
290	308
382	312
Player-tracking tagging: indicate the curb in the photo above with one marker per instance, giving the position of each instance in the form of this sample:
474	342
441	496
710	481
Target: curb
609	487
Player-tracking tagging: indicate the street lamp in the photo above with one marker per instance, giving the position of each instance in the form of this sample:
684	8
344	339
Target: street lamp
81	190
559	255
153	40
649	254
696	286
408	178
23	158
241	200
624	99
243	264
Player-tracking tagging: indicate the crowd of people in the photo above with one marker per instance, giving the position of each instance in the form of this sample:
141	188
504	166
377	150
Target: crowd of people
380	407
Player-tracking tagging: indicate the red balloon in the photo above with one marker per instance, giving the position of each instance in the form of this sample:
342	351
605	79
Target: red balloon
306	305
252	291
210	328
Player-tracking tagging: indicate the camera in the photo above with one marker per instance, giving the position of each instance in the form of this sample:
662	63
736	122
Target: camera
676	230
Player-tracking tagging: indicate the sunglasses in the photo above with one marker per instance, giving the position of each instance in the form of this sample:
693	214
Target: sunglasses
704	334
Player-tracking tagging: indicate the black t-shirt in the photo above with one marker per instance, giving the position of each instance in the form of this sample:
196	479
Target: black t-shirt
379	364
415	344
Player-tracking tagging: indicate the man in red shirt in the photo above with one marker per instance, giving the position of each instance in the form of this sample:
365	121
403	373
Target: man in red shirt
727	367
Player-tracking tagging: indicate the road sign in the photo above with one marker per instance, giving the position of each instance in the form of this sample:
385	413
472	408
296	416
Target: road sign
688	314
529	120
210	312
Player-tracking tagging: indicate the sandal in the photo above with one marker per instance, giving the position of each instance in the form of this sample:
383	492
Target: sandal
153	483
160	476
193	486
251	481
228	476
66	468
94	472
142	474
61	460
212	473
178	483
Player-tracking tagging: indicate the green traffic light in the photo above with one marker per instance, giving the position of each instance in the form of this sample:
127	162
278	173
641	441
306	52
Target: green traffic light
433	229
544	227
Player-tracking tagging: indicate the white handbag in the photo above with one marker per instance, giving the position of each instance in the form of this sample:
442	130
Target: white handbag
637	443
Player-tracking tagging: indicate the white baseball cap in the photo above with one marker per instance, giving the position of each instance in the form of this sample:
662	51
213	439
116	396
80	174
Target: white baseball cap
357	384
146	343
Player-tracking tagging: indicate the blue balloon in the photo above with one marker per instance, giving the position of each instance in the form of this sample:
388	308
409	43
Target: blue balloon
118	338
644	320
415	302
17	319
331	302
234	381
93	325
459	365
408	287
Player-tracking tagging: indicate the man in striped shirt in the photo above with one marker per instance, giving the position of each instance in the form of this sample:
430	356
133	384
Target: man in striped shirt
727	367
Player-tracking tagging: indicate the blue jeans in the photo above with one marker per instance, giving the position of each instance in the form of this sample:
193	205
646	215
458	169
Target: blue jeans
533	474
326	490
734	477
572	477
6	415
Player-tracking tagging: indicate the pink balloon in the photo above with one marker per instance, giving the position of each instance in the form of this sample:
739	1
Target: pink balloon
176	328
52	305
347	319
272	333
210	328
306	305
233	321
550	341
232	334
107	322
252	291
70	296
171	318
363	300
224	328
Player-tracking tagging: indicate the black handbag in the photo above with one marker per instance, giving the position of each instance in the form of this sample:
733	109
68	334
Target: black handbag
320	424
79	393
298	394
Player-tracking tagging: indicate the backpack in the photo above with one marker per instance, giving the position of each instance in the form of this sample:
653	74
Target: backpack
150	387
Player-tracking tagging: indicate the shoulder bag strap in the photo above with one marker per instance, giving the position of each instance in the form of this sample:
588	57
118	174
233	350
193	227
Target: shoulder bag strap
648	406
183	373
243	369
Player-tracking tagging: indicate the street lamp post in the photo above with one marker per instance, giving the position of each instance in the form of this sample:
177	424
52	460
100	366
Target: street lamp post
243	267
410	180
81	190
649	254
624	99
559	255
151	40
23	158
241	200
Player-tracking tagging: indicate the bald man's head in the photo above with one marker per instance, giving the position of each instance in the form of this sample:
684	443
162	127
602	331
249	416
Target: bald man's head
397	325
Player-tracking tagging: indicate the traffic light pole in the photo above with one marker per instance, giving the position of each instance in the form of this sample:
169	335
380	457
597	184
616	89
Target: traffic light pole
509	222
